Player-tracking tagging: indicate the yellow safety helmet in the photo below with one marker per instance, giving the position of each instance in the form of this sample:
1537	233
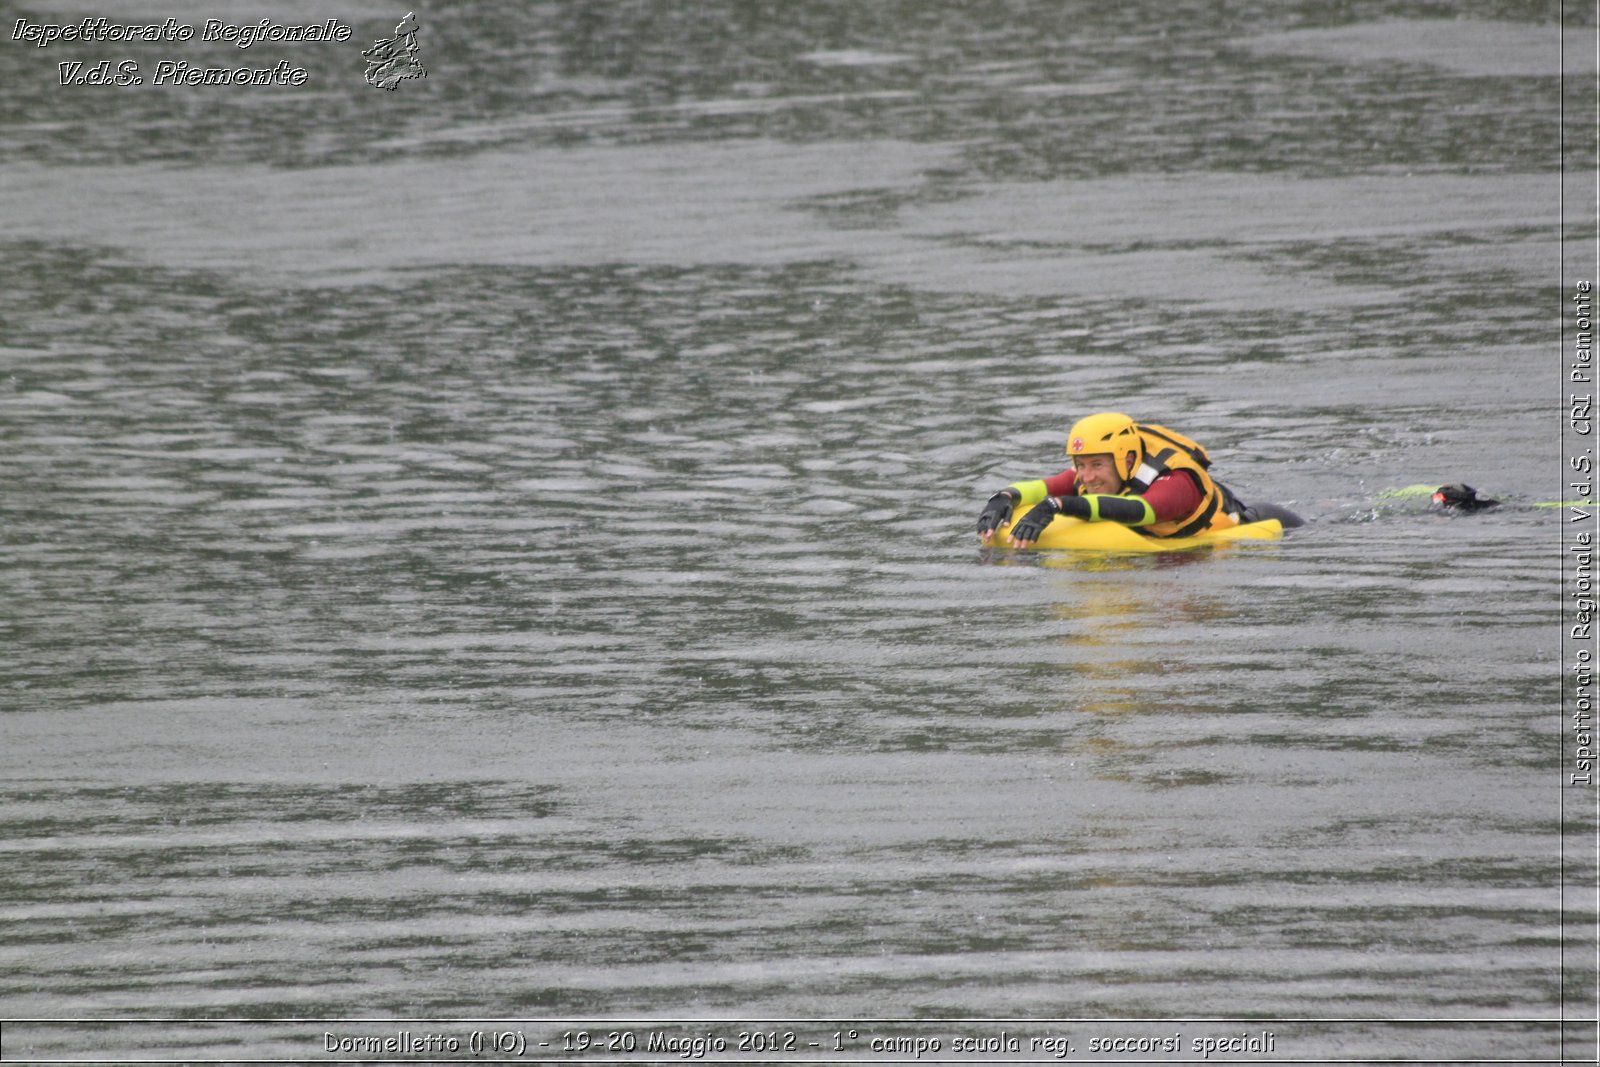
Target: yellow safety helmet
1110	432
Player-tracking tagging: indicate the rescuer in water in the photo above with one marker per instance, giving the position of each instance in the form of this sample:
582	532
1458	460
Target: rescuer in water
1146	477
1462	497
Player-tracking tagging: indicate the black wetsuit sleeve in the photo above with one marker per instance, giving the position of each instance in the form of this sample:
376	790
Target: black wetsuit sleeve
1129	510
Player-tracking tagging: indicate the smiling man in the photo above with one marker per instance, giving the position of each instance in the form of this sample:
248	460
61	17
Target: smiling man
1143	476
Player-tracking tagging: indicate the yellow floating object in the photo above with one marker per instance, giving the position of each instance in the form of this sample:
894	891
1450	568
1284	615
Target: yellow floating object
1104	536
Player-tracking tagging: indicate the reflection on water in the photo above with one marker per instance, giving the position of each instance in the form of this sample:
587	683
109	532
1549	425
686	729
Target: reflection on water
575	609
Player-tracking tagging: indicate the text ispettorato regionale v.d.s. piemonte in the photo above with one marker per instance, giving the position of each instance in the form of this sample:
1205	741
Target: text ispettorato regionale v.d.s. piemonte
1580	539
128	71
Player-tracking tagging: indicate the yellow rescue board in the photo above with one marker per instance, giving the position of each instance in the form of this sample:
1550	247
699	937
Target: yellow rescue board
1067	532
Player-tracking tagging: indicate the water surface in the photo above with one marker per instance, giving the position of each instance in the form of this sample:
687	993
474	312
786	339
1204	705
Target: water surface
503	549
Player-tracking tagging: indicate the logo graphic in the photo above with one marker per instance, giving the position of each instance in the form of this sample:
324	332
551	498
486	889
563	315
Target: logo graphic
1077	444
392	61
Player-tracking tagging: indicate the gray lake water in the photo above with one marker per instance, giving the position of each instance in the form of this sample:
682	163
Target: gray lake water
503	549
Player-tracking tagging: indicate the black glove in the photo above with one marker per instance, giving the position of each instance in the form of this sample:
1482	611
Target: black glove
1031	525
996	512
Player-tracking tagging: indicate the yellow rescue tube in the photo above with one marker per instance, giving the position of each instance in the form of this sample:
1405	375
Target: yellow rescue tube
1104	536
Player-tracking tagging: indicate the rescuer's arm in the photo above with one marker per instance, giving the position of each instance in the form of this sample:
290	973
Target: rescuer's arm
1021	495
1095	507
